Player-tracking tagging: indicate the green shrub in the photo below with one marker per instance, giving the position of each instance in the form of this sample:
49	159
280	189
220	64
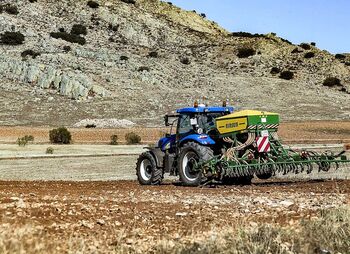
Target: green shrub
309	55
275	70
132	138
347	63
67	49
78	29
33	1
245	52
296	51
49	150
129	1
332	81
340	56
287	75
143	68
114	140
124	58
203	15
23	141
313	44
12	38
153	54
29	52
305	46
286	41
246	35
93	4
10	9
113	28
60	136
73	38
185	60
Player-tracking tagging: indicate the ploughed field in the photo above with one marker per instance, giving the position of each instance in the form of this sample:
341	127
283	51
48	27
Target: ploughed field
290	132
122	216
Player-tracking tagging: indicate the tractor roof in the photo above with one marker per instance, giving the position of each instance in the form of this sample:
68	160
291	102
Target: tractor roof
205	110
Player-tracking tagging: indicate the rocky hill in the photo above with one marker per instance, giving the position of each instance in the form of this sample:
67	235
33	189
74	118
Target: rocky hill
65	61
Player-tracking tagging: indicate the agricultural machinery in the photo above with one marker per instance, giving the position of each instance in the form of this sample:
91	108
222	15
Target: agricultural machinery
223	145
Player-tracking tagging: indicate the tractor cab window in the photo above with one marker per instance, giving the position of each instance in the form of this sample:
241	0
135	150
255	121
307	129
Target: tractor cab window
184	124
207	121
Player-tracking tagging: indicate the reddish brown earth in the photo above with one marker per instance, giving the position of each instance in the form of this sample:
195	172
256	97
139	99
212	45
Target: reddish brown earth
106	215
290	132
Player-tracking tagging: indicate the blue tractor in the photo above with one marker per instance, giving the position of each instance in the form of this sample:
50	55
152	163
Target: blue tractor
179	153
217	144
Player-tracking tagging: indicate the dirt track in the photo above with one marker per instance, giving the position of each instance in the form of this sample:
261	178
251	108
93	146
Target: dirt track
104	215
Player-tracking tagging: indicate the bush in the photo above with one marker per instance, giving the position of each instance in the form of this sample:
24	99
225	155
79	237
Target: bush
287	75
124	58
340	56
60	136
309	55
143	68
296	51
29	52
203	15
313	44
12	38
132	138
114	140
90	126
67	49
78	29
23	141
113	27
245	52
305	46
93	4
129	1
49	150
185	60
73	38
275	70
246	35
153	54
10	9
347	63
32	1
286	41
331	81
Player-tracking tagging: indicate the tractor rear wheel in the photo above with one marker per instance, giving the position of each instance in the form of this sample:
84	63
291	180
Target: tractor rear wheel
147	171
191	154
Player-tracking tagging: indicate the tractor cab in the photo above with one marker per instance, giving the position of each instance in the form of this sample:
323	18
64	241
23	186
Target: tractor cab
192	124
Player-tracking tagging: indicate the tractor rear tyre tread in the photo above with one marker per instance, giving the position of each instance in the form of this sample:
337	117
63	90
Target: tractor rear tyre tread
147	171
203	153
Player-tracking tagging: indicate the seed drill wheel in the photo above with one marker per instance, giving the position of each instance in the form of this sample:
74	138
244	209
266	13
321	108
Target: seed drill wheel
192	153
264	176
147	171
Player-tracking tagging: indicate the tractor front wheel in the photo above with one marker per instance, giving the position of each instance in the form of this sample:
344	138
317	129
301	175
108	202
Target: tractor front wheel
147	171
191	154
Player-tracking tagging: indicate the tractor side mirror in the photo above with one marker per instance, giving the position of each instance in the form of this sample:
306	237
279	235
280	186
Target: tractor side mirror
166	120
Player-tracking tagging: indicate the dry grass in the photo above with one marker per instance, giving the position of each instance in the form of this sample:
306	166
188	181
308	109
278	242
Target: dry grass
329	231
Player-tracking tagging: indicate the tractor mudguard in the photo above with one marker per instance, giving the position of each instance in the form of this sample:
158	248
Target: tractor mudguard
202	139
158	155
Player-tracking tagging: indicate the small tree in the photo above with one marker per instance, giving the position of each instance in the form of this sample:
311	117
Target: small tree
245	52
12	38
331	81
49	150
23	141
132	138
309	55
60	136
287	75
114	140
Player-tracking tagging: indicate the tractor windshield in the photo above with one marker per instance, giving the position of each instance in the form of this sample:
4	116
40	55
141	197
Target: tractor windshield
207	121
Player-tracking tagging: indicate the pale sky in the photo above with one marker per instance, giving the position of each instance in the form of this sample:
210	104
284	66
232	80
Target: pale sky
326	22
